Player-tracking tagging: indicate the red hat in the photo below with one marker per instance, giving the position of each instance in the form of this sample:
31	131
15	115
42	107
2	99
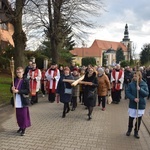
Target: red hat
75	69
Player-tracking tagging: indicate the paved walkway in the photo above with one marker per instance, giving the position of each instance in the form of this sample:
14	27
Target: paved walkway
49	131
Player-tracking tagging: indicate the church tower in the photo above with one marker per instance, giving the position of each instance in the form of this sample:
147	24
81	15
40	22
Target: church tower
126	41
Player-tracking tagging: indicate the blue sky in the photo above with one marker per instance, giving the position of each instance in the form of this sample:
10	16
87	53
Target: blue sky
136	13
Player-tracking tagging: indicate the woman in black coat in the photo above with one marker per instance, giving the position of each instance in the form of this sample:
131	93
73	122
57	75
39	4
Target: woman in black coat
64	91
90	90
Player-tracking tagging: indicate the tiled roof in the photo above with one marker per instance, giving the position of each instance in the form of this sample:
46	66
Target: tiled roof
109	44
96	48
86	52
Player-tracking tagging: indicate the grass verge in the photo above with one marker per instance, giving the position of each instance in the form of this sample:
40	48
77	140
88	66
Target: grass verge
5	95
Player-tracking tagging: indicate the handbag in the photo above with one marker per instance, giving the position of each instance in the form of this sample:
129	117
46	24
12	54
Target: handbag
25	100
68	91
109	99
91	94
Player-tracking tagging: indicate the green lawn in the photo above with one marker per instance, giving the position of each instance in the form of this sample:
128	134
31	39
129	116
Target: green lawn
5	95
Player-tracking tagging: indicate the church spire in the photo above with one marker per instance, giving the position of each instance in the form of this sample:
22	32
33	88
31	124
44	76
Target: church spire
126	34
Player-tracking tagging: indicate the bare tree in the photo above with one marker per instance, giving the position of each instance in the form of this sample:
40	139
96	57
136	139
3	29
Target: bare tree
19	35
50	15
14	15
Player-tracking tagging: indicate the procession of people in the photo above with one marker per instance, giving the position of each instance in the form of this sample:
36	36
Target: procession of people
89	86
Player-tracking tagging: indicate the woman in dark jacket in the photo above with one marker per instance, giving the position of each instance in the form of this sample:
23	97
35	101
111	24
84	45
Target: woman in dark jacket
64	91
131	93
21	91
90	90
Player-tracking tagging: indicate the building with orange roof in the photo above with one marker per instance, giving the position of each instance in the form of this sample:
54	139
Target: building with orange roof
6	28
101	47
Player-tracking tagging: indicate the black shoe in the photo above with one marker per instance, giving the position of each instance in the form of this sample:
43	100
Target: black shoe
18	131
89	118
32	102
68	110
136	135
128	133
72	109
22	132
63	115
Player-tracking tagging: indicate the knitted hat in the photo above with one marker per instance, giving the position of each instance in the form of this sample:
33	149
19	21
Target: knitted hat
75	69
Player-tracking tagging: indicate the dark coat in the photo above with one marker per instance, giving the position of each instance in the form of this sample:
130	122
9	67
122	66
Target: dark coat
61	89
148	77
128	75
90	102
24	92
131	93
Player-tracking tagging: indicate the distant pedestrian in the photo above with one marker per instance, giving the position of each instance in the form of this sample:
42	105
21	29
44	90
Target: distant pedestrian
103	87
128	75
29	67
90	90
64	91
61	70
117	79
75	89
53	76
81	87
131	93
148	80
108	73
21	91
43	82
35	82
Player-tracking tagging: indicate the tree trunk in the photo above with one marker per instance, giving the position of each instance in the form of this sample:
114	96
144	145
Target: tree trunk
19	36
53	28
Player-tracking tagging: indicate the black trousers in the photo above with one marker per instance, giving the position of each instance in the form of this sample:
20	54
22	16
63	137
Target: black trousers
66	107
130	124
103	100
81	97
116	95
90	110
74	101
34	99
149	91
51	97
42	88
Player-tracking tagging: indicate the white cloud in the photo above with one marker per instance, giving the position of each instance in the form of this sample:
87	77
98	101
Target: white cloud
146	28
120	12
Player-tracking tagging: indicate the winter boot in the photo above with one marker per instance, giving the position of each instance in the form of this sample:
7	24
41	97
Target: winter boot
136	135
128	132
